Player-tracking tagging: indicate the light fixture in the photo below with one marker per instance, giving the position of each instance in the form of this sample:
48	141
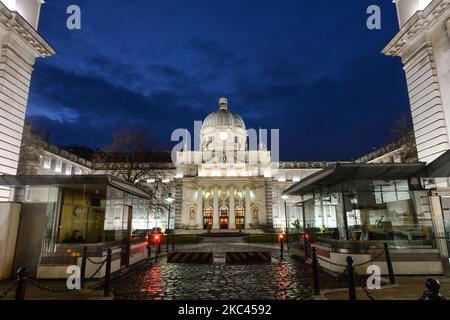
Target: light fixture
223	135
169	199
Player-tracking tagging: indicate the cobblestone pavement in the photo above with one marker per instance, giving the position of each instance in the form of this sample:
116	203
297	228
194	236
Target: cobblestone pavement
287	279
278	280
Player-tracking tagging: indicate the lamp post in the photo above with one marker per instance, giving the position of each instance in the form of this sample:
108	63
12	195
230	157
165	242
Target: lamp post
285	197
169	200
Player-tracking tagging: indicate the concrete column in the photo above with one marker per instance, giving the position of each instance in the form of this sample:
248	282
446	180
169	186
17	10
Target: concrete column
269	208
21	45
178	206
216	208
248	214
232	217
200	207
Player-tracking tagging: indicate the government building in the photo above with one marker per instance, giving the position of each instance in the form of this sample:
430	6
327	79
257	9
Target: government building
233	180
225	185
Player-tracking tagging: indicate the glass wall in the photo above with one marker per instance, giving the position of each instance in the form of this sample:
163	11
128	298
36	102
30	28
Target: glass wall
372	210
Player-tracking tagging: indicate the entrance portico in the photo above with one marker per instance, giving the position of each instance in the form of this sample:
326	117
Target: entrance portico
222	203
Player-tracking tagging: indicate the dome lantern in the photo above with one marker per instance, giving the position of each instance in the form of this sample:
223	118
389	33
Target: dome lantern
223	103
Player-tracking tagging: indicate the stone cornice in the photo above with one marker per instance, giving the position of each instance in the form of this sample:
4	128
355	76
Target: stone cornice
420	21
12	20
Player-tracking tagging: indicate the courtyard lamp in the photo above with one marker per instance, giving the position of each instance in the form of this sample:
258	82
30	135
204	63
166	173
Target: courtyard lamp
285	197
169	200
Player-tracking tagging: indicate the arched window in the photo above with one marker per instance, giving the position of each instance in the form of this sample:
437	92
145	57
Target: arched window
223	218
207	218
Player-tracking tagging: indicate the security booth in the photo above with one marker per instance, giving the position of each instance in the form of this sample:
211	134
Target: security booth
60	215
354	209
437	181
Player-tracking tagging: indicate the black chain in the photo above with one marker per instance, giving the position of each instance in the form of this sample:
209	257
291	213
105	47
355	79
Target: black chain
98	270
46	288
371	260
355	265
95	262
5	293
363	282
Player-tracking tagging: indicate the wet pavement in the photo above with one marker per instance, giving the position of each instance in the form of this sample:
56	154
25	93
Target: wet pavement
288	279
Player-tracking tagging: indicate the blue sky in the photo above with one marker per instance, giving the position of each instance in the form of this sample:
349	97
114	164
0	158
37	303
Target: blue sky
309	68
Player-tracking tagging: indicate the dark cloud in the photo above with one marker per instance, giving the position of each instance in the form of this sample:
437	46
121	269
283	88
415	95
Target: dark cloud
311	69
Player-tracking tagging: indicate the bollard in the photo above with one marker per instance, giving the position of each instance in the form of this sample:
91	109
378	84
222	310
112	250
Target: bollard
22	277
281	249
167	244
83	268
433	288
173	243
306	245
389	264
351	279
315	266
149	251
107	283
287	240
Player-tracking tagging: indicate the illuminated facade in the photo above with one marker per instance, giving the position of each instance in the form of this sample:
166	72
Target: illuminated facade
232	184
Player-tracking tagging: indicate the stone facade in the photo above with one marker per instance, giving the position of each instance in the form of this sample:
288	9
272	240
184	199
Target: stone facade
423	43
21	45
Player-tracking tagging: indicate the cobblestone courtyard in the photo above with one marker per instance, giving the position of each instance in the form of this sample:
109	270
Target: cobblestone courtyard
286	279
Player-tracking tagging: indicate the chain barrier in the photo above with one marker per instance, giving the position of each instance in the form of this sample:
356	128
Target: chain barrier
355	265
38	285
95	262
371	260
363	285
5	293
98	270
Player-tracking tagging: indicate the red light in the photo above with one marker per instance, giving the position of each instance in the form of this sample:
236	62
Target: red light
281	237
146	237
156	237
307	235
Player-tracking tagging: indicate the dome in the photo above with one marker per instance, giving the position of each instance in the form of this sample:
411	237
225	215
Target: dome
223	117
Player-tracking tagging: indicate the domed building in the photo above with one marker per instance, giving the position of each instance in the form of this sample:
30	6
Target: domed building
231	182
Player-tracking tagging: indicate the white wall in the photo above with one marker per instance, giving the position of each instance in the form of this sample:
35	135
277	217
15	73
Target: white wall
9	224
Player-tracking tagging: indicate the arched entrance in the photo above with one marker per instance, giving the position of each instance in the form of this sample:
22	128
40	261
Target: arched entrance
223	218
240	220
208	218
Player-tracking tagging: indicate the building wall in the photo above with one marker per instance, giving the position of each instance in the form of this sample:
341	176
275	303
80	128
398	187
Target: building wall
21	44
423	43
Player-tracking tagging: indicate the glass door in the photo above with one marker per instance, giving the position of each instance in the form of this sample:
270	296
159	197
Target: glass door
126	236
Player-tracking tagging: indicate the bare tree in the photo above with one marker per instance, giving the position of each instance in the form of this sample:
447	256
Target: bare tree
403	132
130	158
30	151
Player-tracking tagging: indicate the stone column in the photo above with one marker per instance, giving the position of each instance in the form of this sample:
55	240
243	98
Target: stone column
232	217
200	207
216	208
248	214
21	45
269	208
178	206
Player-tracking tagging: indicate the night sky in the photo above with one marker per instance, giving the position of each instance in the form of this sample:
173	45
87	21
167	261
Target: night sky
310	68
